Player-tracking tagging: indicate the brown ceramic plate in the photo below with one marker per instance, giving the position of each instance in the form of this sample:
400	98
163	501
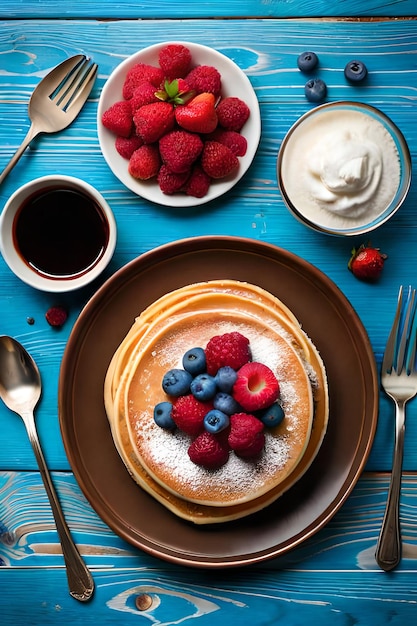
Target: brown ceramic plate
328	319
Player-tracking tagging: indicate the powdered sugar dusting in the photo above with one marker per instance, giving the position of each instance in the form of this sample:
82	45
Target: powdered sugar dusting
166	453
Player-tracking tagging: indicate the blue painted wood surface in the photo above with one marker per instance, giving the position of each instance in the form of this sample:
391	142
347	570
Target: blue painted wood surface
333	576
191	9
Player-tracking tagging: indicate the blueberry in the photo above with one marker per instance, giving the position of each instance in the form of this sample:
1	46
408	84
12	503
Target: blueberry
315	90
215	421
355	71
162	415
226	403
307	61
203	387
273	415
176	382
225	378
194	361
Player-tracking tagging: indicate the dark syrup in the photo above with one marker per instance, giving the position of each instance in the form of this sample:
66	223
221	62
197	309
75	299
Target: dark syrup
60	233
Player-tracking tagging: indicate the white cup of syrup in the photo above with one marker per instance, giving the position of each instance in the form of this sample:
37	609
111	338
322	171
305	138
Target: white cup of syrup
57	233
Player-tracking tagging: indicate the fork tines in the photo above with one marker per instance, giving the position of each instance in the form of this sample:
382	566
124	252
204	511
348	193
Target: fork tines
401	346
73	84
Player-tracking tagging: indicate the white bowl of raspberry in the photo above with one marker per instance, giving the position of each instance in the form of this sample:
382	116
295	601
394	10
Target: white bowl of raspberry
178	123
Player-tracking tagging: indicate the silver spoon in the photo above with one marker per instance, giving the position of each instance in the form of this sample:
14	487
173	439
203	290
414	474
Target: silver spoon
20	390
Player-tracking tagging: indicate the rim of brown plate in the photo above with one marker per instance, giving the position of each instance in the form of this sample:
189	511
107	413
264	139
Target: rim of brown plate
307	507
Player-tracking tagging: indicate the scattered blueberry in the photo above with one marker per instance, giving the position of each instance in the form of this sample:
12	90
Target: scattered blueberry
194	361
307	61
203	387
273	415
215	421
176	382
226	403
315	90
225	378
355	71
162	415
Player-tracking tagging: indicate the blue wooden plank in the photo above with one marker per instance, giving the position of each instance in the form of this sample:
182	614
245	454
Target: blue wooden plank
28	537
190	9
333	576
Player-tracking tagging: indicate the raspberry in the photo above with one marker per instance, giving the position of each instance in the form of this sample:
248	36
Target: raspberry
246	435
118	118
232	139
56	316
217	160
153	120
179	149
232	113
230	349
143	94
188	414
140	73
126	146
145	162
208	451
204	78
169	182
175	60
199	182
256	386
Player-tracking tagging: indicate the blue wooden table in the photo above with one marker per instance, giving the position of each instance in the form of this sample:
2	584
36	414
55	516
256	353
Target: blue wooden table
332	577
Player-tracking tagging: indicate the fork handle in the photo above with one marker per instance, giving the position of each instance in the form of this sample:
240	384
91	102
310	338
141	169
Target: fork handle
388	550
32	132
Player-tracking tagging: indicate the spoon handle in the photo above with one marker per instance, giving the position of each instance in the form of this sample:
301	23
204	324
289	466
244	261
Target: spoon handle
80	582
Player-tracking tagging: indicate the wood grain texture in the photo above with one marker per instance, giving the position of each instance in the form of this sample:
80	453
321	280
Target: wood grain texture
191	9
333	574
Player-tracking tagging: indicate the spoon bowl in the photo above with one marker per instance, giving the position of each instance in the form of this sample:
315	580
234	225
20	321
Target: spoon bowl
20	390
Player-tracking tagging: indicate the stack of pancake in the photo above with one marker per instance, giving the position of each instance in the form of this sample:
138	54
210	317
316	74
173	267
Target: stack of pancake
156	458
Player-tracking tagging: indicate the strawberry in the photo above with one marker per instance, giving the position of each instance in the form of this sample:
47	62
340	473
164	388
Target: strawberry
199	115
126	146
175	60
118	118
153	120
256	386
230	349
246	435
366	262
169	182
232	113
56	316
204	78
232	139
180	149
198	183
145	162
217	160
188	414
140	73
208	451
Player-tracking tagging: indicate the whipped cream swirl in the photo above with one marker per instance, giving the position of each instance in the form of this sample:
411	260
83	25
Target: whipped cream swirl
344	172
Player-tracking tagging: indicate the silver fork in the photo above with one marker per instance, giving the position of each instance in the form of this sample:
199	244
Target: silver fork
399	381
57	100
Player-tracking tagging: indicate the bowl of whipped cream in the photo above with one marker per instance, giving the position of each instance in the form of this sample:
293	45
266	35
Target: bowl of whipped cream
344	168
